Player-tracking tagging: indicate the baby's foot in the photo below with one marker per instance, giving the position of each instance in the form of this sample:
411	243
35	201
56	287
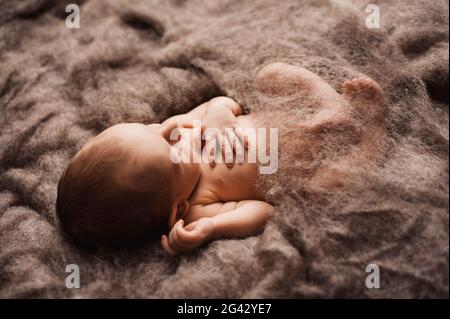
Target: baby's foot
365	89
367	97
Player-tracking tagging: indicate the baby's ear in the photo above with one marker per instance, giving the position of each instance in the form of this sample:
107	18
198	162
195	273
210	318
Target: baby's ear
178	211
173	215
183	208
167	128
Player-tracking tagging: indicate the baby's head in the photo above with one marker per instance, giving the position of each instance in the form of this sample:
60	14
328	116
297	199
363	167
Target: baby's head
122	186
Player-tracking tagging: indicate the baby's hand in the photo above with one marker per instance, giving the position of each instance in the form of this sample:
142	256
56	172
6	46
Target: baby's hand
222	131
188	238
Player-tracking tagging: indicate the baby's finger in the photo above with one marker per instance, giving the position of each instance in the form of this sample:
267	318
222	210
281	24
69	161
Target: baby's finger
218	148
182	243
237	145
190	238
242	137
211	149
227	151
232	139
190	226
166	246
173	237
212	154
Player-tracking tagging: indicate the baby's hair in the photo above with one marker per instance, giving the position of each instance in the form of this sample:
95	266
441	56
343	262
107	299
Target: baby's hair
96	207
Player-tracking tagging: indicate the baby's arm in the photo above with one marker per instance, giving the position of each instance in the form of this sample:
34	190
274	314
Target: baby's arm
234	219
187	119
245	218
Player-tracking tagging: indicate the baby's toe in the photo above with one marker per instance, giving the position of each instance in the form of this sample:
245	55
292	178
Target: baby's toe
366	89
367	98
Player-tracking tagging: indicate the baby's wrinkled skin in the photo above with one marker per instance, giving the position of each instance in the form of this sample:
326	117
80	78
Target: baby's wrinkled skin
212	200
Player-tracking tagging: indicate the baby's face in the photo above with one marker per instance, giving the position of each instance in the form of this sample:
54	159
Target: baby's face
149	152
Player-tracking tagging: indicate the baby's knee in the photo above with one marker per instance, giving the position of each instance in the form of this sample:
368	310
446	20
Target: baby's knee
280	79
273	71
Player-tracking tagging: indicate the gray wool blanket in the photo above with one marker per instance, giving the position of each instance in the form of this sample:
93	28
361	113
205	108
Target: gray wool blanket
143	61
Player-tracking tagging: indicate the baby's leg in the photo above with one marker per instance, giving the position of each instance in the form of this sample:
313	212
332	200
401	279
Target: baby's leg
281	79
364	95
352	122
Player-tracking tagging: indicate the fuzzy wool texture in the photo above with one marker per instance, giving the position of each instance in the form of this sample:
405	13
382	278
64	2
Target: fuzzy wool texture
143	61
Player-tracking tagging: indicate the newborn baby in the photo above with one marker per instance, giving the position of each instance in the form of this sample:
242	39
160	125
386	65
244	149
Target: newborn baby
130	182
133	181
